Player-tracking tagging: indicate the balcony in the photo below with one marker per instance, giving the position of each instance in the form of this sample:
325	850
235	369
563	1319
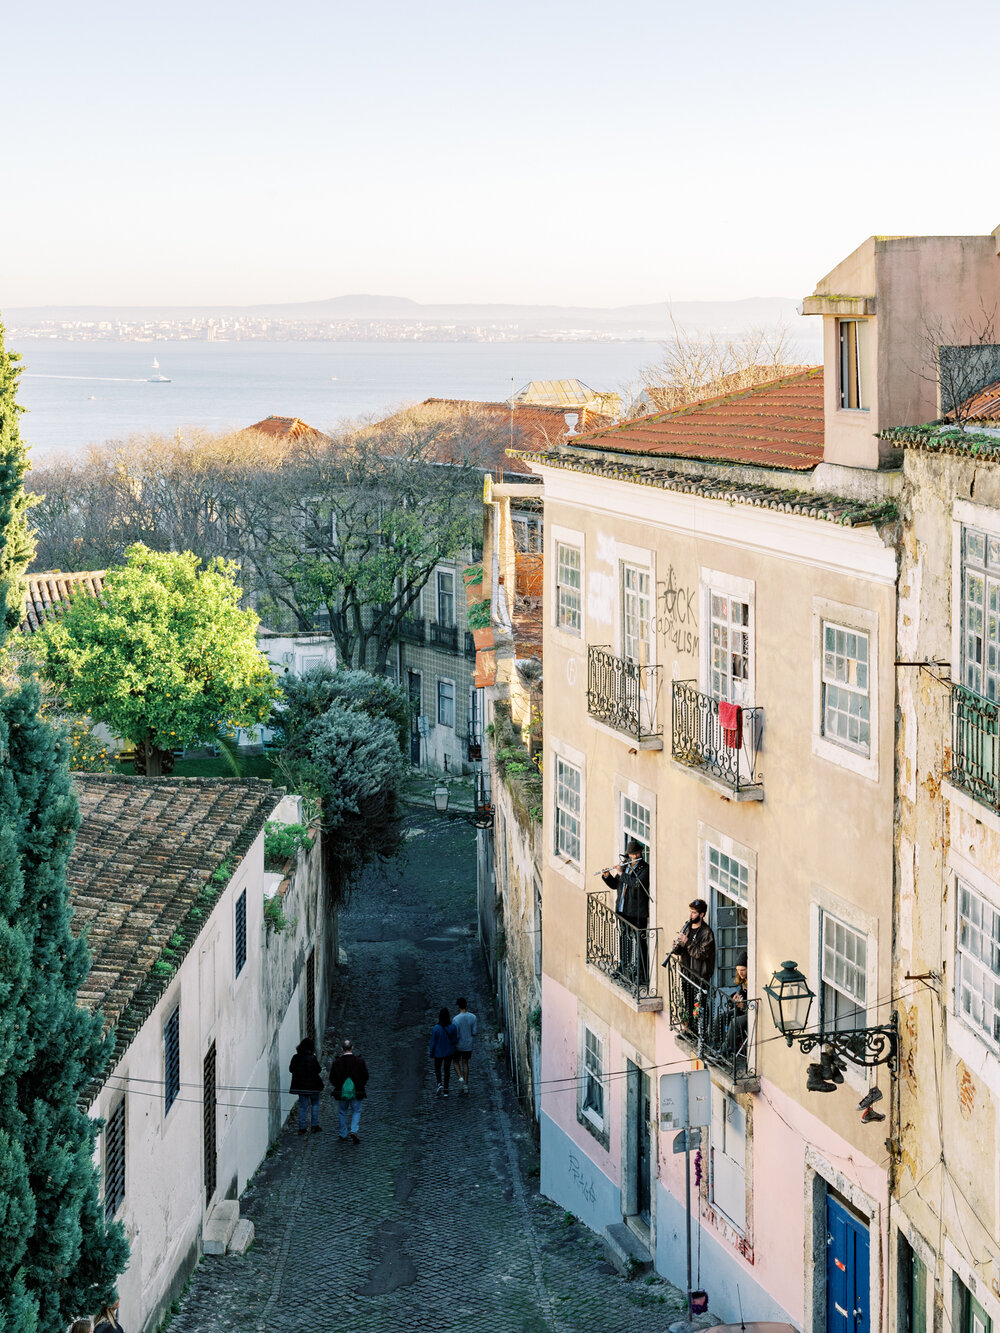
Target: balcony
623	952
703	1016
470	644
975	745
484	797
726	759
622	694
411	629
444	636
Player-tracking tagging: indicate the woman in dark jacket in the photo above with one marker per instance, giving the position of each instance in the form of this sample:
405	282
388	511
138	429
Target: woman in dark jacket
444	1039
107	1319
307	1083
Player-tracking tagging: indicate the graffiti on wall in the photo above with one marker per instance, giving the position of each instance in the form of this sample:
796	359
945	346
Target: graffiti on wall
582	1178
677	614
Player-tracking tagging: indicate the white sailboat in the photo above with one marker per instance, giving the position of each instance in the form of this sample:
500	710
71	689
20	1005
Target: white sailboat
157	376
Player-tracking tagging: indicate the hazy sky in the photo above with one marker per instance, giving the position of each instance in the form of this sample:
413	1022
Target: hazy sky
222	152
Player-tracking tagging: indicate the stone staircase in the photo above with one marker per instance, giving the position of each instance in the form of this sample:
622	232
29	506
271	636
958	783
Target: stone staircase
226	1232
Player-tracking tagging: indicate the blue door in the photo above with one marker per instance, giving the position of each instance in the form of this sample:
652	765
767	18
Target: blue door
846	1271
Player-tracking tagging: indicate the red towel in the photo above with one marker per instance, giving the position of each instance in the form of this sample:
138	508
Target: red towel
731	722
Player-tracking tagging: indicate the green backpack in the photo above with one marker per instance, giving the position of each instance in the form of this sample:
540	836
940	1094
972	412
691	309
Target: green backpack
347	1090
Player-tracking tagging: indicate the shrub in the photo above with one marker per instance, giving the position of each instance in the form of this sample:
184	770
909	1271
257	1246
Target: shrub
282	841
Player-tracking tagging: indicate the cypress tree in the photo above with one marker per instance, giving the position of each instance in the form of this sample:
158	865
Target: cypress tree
57	1256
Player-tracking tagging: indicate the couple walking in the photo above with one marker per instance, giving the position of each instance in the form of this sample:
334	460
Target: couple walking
451	1040
348	1079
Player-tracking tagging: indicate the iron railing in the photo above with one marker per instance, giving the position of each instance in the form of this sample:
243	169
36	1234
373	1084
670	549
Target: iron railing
411	628
470	644
623	952
700	741
622	694
445	636
975	745
722	1033
484	795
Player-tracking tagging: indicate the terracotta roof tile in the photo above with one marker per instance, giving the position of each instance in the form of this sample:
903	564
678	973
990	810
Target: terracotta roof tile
51	592
287	428
778	424
140	878
533	427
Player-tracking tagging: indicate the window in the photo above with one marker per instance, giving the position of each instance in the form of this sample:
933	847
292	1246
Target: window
569	593
977	963
446	597
911	1289
635	824
727	1179
527	533
446	703
637	639
845	684
981	612
568	785
972	1317
854	364
114	1161
241	932
729	663
728	880
593	1078
844	976
172	1059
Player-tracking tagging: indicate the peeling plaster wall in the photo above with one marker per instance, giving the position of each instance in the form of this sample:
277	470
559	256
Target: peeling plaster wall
947	1176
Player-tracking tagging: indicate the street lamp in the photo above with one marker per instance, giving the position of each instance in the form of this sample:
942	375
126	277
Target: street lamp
790	999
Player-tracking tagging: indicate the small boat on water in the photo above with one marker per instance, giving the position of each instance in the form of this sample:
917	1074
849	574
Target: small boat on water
157	376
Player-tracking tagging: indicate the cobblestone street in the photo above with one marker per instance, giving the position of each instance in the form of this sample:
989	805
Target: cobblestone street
434	1220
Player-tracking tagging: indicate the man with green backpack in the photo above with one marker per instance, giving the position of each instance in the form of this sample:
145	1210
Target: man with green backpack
348	1077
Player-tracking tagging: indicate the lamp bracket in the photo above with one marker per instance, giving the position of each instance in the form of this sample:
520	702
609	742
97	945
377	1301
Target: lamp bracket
867	1047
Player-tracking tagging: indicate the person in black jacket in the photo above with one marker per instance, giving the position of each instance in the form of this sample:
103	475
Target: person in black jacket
307	1084
630	881
348	1078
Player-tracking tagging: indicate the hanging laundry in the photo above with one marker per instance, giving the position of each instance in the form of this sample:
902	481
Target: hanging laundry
731	722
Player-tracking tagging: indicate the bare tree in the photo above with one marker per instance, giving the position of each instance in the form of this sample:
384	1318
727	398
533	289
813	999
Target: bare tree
960	357
696	366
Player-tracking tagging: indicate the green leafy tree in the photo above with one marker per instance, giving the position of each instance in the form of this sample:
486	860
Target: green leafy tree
165	657
57	1254
18	543
342	736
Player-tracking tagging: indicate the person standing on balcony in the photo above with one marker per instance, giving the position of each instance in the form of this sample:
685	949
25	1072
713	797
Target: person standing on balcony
630	881
695	946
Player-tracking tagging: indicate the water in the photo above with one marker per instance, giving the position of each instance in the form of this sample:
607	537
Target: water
78	393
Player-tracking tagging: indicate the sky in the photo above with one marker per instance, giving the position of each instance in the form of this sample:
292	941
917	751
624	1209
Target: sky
220	153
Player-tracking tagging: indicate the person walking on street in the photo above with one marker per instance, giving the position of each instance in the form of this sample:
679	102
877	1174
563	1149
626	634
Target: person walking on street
107	1318
348	1078
307	1083
466	1025
444	1039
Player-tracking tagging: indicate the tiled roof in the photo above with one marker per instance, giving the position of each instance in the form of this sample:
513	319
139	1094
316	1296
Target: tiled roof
984	405
807	504
944	438
535	427
287	428
562	393
50	593
141	883
778	424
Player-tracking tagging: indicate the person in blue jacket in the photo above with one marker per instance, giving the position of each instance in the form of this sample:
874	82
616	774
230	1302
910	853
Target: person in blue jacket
444	1039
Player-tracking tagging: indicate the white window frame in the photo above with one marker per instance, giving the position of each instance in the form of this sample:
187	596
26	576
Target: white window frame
823	902
860	336
565	767
554	537
709	839
730	1134
832	929
590	1077
642	559
439	574
627	790
861	620
445	680
742	590
966	961
561	587
964	514
569	870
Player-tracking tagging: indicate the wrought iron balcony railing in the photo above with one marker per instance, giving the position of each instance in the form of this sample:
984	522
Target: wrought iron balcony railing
445	636
470	644
622	694
722	1031
411	628
484	795
623	952
975	745
701	741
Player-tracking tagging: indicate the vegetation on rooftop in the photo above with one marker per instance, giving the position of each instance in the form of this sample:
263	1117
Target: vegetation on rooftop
515	765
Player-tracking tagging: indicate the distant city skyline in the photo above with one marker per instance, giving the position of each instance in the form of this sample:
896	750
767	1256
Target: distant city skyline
558	154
